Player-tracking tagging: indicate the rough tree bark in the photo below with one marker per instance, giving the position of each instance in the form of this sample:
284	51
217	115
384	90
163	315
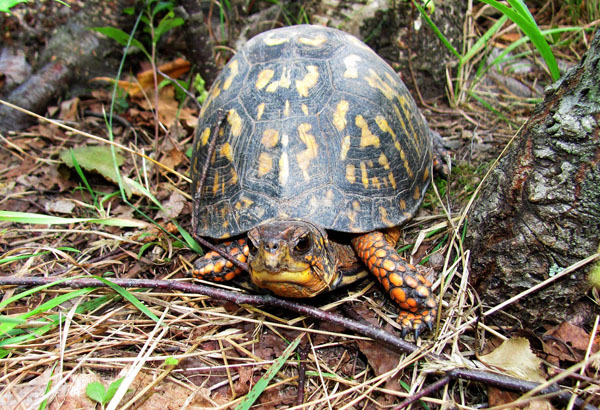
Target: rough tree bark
539	210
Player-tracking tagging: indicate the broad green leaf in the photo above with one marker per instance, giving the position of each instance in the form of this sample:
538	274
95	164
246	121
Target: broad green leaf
171	361
96	158
96	392
165	25
120	37
112	389
6	5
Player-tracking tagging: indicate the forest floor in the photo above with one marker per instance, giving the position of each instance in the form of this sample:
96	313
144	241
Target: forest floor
168	348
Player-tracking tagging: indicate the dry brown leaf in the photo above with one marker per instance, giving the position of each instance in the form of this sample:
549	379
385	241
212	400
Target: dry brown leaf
145	79
514	356
173	207
568	342
61	206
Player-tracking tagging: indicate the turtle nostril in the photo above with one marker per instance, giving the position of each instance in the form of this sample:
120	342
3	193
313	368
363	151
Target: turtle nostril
271	245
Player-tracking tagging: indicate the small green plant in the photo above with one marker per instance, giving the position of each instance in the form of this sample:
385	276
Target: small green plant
200	88
96	391
463	85
6	5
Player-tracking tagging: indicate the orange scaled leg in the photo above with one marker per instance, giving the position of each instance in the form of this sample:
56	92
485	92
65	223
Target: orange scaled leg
215	268
401	280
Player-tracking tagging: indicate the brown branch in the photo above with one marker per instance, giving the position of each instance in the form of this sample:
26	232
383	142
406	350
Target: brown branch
387	339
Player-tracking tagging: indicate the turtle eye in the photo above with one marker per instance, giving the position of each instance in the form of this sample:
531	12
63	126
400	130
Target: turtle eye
303	245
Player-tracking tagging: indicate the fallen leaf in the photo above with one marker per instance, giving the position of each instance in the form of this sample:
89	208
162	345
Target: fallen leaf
514	356
145	79
173	207
61	206
568	342
98	158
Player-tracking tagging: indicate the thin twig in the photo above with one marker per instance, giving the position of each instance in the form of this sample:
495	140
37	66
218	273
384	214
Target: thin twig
389	340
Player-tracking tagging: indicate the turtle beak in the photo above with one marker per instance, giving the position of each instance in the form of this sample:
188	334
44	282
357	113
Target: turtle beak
289	258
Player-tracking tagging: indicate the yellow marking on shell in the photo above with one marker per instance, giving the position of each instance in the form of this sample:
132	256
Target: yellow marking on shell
284	140
314	42
405	104
286	110
234	176
226	151
350	176
235	122
233	72
392	79
402	204
260	110
363	174
243	203
339	116
383	161
215	186
355	205
345	147
351	63
205	135
392	179
426	174
214	93
265	163
283	82
263	78
269	138
284	169
310	80
385	217
305	157
304	109
384	126
375	182
329	197
376	82
367	138
417	193
275	41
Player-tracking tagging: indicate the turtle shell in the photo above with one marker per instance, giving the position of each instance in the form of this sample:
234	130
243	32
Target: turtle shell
309	124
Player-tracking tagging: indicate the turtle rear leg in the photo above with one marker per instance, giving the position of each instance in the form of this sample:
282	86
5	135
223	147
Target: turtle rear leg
215	268
401	280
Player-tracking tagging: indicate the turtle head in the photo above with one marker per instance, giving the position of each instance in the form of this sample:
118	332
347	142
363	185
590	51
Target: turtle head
291	258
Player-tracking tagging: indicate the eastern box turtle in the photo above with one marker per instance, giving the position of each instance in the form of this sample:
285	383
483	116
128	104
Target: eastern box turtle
319	154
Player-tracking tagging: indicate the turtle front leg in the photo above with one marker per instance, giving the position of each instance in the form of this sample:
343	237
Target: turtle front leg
215	268
401	280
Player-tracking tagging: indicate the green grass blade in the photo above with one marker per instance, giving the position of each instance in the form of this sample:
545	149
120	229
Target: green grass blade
125	294
482	41
437	31
41	219
260	386
48	305
526	23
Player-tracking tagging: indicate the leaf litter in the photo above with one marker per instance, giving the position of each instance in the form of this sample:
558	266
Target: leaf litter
223	350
